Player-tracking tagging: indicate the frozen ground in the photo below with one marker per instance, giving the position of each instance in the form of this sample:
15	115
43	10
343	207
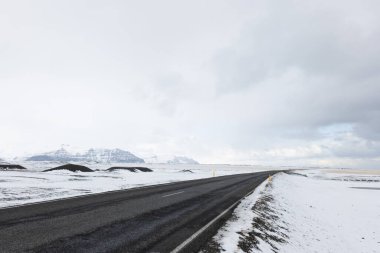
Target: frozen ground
21	187
307	211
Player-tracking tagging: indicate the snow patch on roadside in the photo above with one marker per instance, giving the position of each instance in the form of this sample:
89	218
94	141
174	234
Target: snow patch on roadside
306	211
237	234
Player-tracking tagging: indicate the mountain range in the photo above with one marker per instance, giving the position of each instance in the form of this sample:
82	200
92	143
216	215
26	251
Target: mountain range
182	160
91	155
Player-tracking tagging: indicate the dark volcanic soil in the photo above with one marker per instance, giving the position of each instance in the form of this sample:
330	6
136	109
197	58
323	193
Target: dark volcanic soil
11	167
72	168
131	169
186	171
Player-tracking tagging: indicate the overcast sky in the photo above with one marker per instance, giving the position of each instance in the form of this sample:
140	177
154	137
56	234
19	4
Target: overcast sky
246	82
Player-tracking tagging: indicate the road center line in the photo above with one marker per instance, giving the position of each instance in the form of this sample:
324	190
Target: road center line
172	194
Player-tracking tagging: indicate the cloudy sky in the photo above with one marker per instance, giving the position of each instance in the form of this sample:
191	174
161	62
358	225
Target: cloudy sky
291	82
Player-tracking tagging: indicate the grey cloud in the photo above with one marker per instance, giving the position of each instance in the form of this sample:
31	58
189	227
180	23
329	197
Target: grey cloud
351	146
327	56
331	42
221	81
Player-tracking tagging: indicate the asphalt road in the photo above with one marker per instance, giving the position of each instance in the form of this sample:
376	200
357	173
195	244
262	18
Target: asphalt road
151	219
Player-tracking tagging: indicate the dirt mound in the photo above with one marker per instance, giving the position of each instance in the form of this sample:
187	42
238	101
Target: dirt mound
72	168
11	167
186	171
131	169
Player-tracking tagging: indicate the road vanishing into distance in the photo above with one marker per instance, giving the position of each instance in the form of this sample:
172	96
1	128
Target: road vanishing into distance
149	219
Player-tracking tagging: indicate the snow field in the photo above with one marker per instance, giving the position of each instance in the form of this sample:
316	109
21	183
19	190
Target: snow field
28	186
323	211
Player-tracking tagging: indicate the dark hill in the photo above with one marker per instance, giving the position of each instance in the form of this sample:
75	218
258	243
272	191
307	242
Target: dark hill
131	169
186	171
11	167
72	168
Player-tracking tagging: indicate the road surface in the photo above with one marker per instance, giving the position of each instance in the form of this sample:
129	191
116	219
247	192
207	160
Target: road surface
150	219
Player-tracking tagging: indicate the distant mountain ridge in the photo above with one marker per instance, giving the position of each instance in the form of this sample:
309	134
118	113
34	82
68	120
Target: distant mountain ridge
2	161
91	155
169	159
182	160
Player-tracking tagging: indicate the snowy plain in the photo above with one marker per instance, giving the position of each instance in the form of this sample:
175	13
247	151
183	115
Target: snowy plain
28	186
307	211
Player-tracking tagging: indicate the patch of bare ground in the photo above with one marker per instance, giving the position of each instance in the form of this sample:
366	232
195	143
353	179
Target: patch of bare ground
267	227
295	173
212	246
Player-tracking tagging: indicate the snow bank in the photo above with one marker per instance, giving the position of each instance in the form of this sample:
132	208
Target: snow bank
228	236
324	211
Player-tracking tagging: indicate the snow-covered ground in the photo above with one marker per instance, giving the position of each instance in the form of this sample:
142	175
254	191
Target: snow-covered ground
21	187
307	211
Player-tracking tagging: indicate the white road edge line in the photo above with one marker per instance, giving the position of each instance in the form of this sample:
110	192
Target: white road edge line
196	234
172	194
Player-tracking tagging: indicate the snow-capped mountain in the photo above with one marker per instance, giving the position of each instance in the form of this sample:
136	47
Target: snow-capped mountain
182	160
60	155
111	155
91	155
